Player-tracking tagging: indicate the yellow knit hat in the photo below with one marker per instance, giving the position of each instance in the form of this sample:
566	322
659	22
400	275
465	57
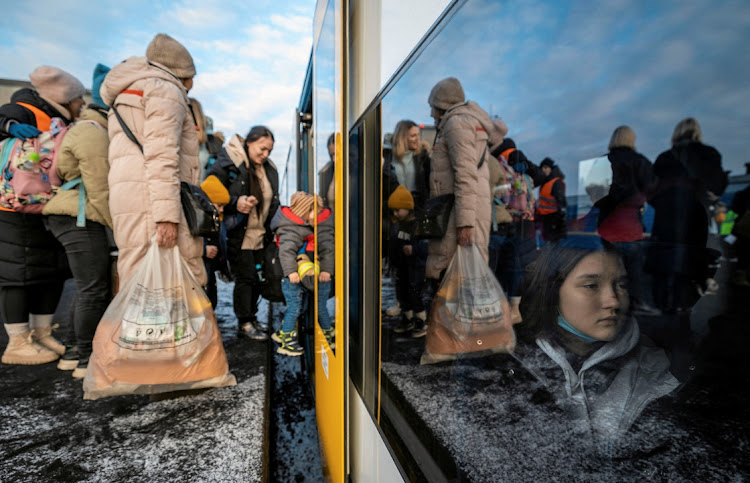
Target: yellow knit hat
216	191
401	199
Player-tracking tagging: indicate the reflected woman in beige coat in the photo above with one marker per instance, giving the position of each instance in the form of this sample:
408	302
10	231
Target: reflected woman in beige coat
150	93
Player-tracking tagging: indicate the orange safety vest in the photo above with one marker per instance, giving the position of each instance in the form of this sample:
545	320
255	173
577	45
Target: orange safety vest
42	119
547	202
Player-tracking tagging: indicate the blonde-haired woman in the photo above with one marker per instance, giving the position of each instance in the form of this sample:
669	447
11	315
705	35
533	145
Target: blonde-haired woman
690	178
409	164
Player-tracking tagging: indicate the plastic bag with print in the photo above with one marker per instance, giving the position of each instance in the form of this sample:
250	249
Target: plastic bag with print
159	334
470	315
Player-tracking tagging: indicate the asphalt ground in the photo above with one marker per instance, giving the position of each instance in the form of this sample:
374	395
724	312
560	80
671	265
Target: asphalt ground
50	433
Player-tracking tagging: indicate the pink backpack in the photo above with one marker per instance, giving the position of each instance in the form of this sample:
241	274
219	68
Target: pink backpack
28	175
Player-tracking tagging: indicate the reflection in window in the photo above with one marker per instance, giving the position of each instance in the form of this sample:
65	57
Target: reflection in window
627	348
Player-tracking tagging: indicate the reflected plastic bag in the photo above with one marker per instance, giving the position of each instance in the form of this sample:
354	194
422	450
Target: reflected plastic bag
159	334
470	313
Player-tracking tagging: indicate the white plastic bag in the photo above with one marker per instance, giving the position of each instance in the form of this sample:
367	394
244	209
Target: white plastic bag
159	334
473	296
470	313
163	309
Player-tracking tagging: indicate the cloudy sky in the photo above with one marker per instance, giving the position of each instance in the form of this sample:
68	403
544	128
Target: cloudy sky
250	56
564	75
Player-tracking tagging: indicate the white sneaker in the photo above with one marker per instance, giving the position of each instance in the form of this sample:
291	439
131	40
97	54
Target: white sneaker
394	310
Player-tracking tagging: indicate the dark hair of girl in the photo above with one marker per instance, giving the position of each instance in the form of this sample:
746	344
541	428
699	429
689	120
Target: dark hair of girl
540	290
256	187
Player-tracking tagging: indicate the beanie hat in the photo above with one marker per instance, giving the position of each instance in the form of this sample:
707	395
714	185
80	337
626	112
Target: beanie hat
547	162
301	204
446	94
401	199
171	54
100	72
215	190
56	84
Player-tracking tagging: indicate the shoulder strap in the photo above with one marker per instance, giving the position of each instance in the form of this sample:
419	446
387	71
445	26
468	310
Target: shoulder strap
81	219
126	129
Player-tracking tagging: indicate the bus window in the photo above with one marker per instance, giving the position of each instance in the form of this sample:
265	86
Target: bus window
597	215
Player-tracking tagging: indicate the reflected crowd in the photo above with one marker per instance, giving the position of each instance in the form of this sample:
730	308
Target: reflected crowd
598	304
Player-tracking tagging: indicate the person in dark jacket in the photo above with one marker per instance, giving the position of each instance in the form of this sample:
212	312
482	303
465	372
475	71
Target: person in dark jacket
294	228
252	180
552	206
690	179
215	249
56	94
33	267
620	211
408	165
409	257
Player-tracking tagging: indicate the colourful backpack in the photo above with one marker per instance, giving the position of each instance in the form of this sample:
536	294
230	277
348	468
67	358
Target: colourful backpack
28	169
520	200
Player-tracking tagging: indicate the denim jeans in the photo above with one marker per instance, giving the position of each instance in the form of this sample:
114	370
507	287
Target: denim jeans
296	296
87	249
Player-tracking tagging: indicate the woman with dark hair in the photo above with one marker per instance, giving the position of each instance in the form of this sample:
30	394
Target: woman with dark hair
577	328
253	184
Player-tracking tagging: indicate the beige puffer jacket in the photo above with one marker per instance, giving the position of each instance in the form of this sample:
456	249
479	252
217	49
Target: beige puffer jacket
83	153
462	137
145	187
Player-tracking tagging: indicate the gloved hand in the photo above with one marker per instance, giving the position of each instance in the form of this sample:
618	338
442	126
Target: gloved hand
23	131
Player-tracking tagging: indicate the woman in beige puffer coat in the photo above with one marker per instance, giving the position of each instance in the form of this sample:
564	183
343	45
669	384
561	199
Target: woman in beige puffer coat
464	131
150	93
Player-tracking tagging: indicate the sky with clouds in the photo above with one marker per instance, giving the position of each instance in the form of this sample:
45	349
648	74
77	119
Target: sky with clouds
564	75
250	56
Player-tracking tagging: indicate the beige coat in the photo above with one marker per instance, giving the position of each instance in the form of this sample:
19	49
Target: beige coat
83	153
463	134
145	187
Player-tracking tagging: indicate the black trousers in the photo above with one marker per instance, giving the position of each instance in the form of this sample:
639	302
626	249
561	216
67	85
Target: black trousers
87	249
16	303
246	285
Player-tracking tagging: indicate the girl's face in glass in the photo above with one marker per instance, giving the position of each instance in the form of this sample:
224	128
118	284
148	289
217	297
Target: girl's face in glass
412	138
594	297
259	150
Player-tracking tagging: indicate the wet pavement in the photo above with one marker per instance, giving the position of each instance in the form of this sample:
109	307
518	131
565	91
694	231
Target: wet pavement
49	433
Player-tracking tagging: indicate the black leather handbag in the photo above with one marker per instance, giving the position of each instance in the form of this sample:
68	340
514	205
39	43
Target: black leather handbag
201	215
432	219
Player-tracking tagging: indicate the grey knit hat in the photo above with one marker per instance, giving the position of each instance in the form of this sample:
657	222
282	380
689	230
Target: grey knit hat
172	55
56	84
446	94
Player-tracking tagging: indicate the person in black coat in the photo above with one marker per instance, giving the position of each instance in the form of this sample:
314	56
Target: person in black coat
690	179
33	264
252	180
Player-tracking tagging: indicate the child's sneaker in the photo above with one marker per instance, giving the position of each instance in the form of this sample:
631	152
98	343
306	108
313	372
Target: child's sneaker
419	328
404	325
289	344
330	333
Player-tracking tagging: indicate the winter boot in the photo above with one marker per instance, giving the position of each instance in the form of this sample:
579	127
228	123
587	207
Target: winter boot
251	331
289	344
23	350
41	331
